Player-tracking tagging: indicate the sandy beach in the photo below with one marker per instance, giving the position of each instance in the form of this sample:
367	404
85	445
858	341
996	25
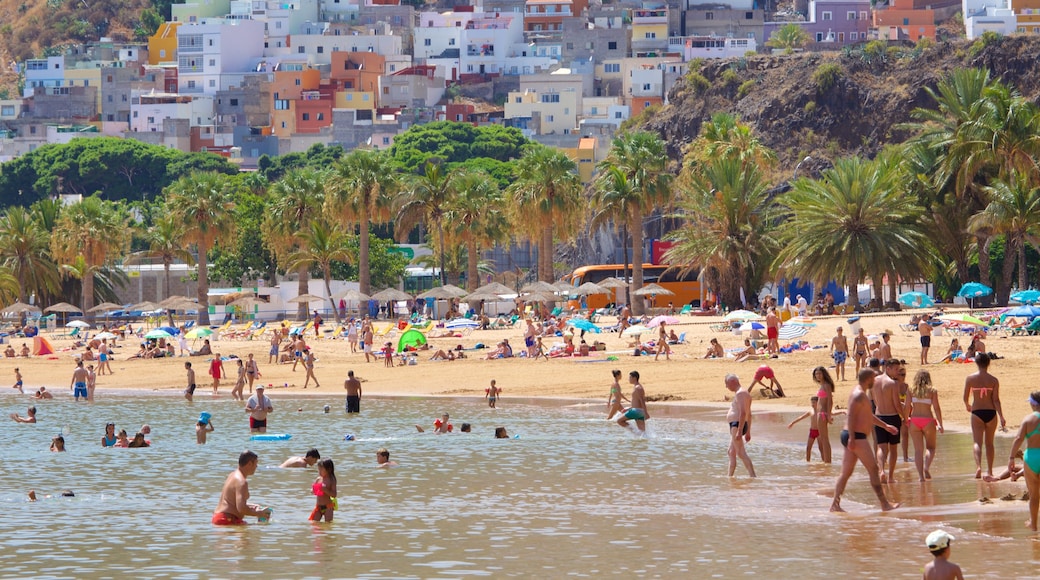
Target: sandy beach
685	379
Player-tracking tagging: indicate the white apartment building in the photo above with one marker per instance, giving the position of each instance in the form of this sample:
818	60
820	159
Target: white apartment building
318	48
148	110
208	49
983	15
43	72
543	112
281	18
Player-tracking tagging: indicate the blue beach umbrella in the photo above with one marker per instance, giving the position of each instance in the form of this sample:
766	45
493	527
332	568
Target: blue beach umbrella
583	324
1026	311
973	290
1026	296
173	331
460	323
916	300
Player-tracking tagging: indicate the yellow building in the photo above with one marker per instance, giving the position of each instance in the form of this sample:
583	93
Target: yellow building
357	100
85	77
162	46
1028	14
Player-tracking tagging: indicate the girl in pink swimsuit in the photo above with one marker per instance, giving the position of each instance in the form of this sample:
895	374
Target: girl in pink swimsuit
825	394
923	424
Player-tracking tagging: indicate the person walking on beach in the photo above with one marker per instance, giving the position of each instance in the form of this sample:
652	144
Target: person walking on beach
739	418
1029	433
840	353
353	388
773	324
366	342
308	365
890	411
240	382
104	355
252	372
216	370
298	346
615	396
529	333
662	343
984	391
825	409
272	354
924	327
91	382
860	349
189	392
79	381
234	496
18	381
637	405
858	420
884	351
258	406
352	335
922	424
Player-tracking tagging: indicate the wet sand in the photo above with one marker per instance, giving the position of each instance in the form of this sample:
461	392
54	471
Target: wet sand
685	379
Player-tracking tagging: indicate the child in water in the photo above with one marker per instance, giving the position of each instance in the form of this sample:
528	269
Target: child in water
17	381
325	488
814	426
491	394
201	429
941	568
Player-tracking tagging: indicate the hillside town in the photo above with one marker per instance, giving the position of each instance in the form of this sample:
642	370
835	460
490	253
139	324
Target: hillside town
247	78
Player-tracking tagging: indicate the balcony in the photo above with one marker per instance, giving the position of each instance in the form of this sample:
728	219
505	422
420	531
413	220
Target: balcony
480	50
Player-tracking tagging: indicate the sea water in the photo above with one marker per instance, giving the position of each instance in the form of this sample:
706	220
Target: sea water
573	496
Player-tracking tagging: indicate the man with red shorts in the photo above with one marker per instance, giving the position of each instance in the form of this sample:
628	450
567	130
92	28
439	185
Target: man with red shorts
773	324
233	505
773	389
258	406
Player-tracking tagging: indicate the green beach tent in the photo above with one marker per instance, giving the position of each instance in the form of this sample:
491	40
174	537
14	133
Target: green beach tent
412	338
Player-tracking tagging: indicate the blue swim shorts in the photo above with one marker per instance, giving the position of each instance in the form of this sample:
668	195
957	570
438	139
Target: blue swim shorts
635	414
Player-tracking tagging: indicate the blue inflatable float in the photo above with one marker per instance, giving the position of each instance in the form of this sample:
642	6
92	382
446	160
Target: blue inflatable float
271	437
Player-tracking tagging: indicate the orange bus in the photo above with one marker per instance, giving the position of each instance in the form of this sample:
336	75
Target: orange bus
685	284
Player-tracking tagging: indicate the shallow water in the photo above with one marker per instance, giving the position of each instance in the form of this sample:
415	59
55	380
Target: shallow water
574	496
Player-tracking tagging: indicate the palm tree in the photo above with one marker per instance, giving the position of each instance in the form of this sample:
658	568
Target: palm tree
547	201
201	203
425	198
854	222
297	198
726	136
322	243
165	240
25	251
94	231
640	157
362	190
477	216
729	229
788	37
1014	211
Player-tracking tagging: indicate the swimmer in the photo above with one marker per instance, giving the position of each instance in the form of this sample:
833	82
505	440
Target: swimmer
122	440
940	568
615	397
91	382
258	406
465	428
440	426
139	441
325	488
815	420
1029	434
492	394
234	496
501	433
78	384
58	444
308	460
189	392
353	388
858	421
383	458
43	393
18	381
201	429
739	418
31	418
637	410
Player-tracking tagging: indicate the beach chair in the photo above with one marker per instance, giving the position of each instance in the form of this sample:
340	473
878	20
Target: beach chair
682	338
686	309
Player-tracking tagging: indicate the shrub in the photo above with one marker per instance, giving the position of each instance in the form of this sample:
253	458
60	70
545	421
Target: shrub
985	39
876	51
745	88
809	107
827	75
696	81
729	77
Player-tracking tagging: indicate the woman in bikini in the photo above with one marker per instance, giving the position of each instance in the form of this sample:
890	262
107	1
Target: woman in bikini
923	399
615	397
984	409
824	407
860	350
252	372
1029	433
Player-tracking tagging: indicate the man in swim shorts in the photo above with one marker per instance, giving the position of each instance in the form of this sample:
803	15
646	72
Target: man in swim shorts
79	382
857	448
766	372
233	505
258	406
924	326
890	411
840	353
773	324
353	387
637	411
189	392
739	418
529	341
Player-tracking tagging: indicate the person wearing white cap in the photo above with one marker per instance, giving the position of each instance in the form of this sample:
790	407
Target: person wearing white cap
258	406
941	568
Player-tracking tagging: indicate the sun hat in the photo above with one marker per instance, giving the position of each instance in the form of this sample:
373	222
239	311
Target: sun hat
938	540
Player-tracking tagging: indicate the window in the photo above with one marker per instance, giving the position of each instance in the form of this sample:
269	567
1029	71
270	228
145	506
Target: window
281	104
570	46
321	116
827	15
709	16
364	97
211	42
749	16
853	36
386	140
108	78
124	98
110	98
7	110
863	15
906	22
234	102
646	103
350	96
212	83
321	50
151	119
32	130
550	118
566	111
651	35
617	114
191	84
595	110
300	49
551	98
451	42
283	124
646	86
306	116
850	15
298	82
611	46
612	67
517	99
162	53
111	117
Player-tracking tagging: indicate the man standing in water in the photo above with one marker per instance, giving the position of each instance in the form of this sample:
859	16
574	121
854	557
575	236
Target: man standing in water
233	506
637	411
889	410
353	387
739	418
79	382
857	447
258	406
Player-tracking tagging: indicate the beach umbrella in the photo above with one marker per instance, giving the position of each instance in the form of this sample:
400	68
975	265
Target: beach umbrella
171	301
635	330
460	323
391	295
539	287
446	292
145	306
478	296
302	298
653	289
198	332
104	335
591	288
540	297
169	330
1026	296
749	326
495	288
742	315
915	300
351	294
157	333
19	307
612	282
77	324
562	286
801	321
962	319
657	320
246	302
791	332
106	307
584	324
1027	310
62	307
973	290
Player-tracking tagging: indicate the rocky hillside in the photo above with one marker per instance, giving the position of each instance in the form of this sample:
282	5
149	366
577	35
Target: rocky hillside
828	105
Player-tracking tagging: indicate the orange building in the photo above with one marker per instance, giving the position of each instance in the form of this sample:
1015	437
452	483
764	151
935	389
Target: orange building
287	86
314	110
162	46
637	104
903	20
357	71
549	14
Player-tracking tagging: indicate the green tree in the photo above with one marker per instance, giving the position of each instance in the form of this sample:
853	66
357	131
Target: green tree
202	204
296	200
726	136
246	257
478	217
424	199
641	158
25	253
322	243
729	229
1014	212
96	233
362	190
450	142
788	38
854	222
165	239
